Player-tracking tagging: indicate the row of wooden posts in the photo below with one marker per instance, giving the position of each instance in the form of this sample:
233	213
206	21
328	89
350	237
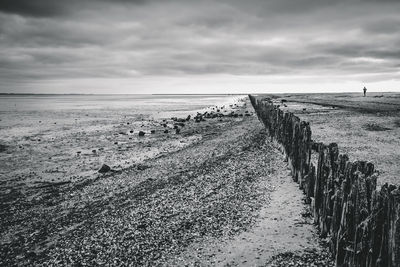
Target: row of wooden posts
361	221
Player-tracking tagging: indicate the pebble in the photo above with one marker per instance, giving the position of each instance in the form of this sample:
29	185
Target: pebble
105	168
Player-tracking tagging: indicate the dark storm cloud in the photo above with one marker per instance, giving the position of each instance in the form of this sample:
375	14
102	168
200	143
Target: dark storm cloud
46	39
33	8
52	8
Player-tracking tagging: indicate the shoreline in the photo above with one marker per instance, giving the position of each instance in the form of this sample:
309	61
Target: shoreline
152	212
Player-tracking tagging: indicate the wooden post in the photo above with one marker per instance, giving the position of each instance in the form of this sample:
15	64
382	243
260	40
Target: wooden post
363	223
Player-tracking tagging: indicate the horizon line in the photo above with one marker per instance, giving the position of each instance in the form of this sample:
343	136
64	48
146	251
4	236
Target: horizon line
258	93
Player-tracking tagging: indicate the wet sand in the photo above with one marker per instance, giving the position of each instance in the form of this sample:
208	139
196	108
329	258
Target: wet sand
223	198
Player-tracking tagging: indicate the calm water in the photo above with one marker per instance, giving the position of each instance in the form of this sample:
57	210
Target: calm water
145	103
20	114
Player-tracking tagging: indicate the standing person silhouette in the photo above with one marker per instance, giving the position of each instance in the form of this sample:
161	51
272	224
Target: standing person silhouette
365	91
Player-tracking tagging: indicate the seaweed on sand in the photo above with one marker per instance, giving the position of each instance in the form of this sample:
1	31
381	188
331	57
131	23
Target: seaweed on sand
375	127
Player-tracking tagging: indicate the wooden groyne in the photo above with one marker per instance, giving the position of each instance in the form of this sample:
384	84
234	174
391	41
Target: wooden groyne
361	221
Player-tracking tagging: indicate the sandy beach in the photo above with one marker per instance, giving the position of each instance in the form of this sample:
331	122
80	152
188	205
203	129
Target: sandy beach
216	193
365	128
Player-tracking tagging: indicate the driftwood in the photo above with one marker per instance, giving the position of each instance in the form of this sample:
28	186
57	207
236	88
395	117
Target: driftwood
361	221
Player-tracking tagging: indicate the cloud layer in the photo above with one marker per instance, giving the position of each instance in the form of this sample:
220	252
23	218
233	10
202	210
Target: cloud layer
45	41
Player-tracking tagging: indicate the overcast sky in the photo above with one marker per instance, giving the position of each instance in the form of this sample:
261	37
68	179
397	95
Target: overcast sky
195	46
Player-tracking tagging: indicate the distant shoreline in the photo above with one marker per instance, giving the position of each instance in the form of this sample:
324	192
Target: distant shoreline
42	94
221	94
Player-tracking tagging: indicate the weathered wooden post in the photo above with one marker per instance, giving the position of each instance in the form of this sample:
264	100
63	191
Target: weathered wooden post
394	227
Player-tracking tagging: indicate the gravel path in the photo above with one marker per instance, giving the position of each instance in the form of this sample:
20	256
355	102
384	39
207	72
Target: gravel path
282	235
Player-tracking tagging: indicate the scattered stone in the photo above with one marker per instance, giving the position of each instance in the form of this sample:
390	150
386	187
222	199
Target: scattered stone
3	148
141	133
177	130
94	151
302	258
142	167
105	168
165	131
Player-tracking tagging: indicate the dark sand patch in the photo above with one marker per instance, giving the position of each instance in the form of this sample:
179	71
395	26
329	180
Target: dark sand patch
375	127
